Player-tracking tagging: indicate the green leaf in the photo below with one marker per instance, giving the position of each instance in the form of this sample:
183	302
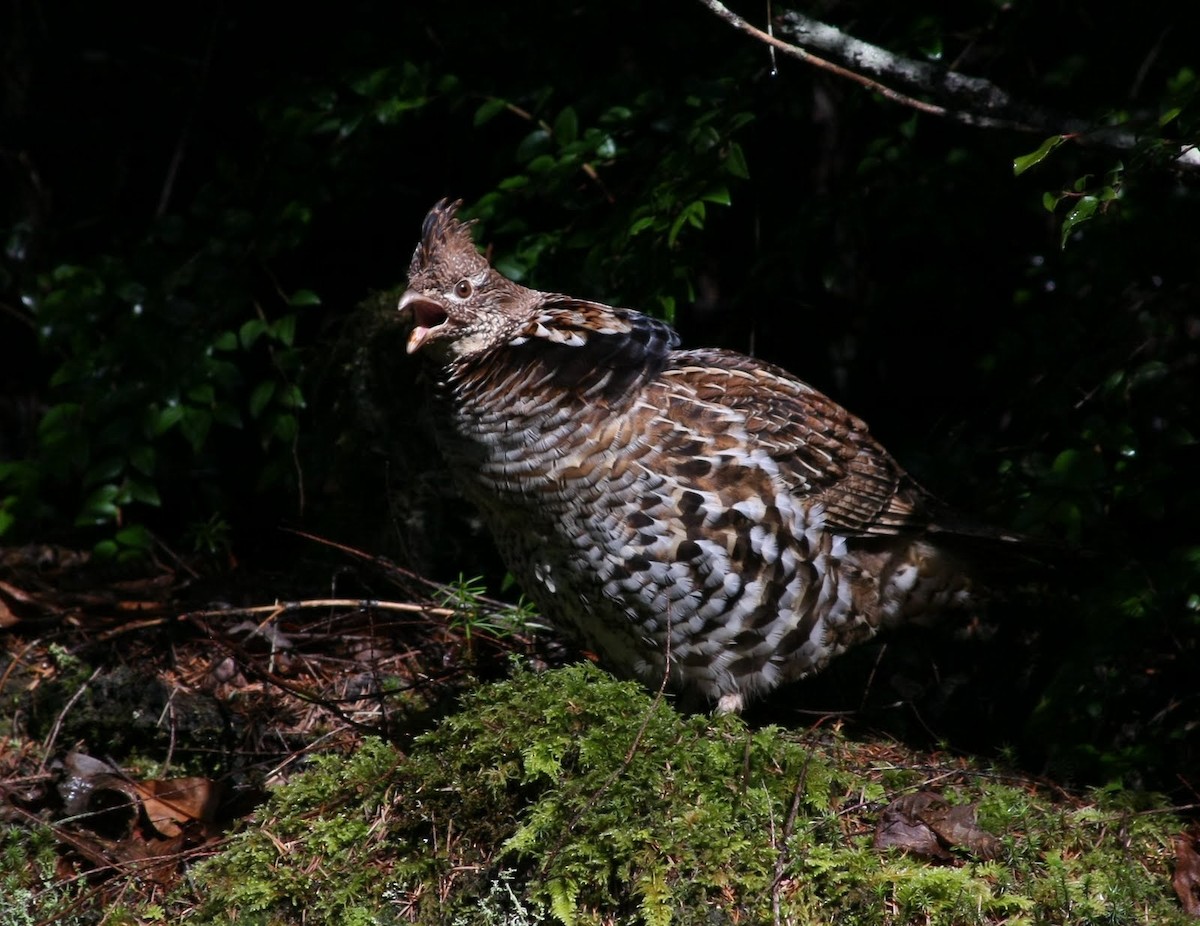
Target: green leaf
143	457
106	549
1182	82
226	414
64	415
195	425
1084	210
691	214
541	164
372	84
162	420
512	267
388	111
226	340
100	506
1050	201
144	492
105	470
530	147
284	330
286	428
223	374
136	536
251	331
566	126
204	394
67	373
6	520
603	144
489	110
304	297
131	292
1065	462
260	397
291	397
720	196
735	162
1152	371
932	48
1026	161
516	182
641	225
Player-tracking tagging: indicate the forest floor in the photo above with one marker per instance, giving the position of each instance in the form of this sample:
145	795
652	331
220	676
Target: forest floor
154	712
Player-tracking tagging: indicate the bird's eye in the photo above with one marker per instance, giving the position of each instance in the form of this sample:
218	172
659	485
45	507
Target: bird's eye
463	289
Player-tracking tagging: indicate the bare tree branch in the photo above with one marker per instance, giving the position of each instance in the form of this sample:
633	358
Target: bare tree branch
991	106
959	97
796	52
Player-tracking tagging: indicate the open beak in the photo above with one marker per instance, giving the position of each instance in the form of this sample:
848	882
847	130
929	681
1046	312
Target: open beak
426	314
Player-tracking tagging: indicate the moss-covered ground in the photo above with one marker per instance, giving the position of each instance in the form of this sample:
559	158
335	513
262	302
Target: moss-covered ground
569	797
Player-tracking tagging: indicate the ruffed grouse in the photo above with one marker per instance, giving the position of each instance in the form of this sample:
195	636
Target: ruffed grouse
691	512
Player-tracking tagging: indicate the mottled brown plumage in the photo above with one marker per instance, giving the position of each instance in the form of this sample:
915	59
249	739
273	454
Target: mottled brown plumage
695	513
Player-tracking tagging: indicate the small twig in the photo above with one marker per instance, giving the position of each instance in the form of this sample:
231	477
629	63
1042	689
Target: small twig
789	826
287	607
388	566
175	557
771	33
280	608
871	678
58	721
14	661
23	317
168	714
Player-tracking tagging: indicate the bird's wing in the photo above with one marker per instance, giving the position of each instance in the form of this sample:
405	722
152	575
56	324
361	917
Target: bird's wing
823	452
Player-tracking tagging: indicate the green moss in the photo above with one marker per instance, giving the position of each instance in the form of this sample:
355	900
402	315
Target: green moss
575	798
30	891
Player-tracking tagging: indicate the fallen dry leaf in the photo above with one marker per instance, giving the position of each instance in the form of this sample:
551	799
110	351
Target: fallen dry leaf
170	802
1187	874
12	596
924	824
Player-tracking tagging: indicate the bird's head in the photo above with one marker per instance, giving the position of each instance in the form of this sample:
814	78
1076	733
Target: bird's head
458	305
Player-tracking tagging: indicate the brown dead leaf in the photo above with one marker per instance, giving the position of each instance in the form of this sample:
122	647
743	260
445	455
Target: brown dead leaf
14	601
924	824
1187	873
171	803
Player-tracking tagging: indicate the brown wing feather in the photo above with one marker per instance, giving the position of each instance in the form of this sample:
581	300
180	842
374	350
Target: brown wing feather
825	453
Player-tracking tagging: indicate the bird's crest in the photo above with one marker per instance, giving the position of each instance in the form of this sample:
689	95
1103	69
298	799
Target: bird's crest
442	235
